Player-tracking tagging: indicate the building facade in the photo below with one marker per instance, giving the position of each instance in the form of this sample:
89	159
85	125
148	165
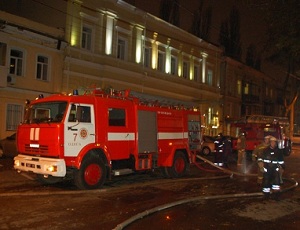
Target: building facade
113	45
246	91
30	64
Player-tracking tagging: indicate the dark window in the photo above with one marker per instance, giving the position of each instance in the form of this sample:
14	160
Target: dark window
42	68
16	62
116	117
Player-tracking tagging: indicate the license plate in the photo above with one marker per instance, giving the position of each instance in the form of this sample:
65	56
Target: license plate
30	165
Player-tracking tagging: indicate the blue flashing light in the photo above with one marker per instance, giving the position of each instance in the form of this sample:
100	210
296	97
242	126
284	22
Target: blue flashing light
75	92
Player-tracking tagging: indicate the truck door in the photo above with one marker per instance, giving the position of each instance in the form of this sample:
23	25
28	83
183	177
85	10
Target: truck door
79	128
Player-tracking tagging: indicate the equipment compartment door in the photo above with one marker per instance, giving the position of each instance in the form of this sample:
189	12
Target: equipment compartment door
147	131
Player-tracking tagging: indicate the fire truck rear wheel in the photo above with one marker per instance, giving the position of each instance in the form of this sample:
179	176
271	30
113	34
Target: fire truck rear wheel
91	174
179	167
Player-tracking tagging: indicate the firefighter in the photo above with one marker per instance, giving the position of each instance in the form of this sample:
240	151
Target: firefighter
241	146
257	153
219	149
227	150
272	159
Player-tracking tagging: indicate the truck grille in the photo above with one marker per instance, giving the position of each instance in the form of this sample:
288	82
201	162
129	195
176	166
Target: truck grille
43	149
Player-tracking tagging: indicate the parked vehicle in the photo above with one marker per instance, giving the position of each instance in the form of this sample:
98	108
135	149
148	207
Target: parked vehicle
8	147
207	145
256	127
90	138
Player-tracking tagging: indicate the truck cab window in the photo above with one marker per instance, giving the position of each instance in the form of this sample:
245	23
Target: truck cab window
80	114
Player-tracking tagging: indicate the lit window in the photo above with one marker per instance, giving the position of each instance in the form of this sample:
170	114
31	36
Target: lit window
246	88
239	87
13	116
86	40
16	62
42	68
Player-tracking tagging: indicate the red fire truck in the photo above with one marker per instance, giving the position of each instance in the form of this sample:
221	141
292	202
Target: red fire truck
90	138
256	127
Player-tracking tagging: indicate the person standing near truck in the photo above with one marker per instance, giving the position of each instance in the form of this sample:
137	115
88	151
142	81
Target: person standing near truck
241	146
272	159
219	148
257	153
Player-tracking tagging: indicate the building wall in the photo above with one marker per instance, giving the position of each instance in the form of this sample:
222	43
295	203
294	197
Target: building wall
111	44
149	45
19	81
246	91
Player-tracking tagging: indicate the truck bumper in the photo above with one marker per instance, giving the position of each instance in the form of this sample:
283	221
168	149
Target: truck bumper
40	165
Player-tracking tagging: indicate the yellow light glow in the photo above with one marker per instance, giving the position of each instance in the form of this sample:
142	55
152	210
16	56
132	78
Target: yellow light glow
109	35
154	51
73	38
51	168
168	61
154	55
17	163
138	51
179	70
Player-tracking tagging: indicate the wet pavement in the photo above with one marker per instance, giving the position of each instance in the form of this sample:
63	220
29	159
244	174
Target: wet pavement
207	199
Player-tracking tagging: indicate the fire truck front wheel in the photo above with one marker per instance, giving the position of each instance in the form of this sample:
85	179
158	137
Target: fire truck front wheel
91	174
180	166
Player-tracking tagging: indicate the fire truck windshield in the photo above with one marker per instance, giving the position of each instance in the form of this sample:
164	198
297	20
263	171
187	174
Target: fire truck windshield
45	112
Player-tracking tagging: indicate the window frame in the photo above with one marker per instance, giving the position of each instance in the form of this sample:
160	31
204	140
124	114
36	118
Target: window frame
113	112
14	116
19	60
174	65
86	37
210	77
147	57
185	69
40	71
161	61
196	72
122	49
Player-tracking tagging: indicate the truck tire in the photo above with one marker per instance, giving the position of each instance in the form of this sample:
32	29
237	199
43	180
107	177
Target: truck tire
206	151
164	172
92	173
180	166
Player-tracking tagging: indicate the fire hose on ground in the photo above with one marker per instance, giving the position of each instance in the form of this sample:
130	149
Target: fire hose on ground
193	199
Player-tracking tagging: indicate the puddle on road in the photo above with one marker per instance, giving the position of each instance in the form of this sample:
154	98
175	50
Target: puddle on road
268	210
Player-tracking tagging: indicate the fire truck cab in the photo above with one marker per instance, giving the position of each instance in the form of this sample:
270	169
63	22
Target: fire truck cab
256	127
90	138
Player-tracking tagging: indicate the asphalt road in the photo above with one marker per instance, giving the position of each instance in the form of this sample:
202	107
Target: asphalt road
207	199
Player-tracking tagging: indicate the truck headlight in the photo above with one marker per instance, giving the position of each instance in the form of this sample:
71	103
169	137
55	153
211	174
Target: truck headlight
17	163
51	168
